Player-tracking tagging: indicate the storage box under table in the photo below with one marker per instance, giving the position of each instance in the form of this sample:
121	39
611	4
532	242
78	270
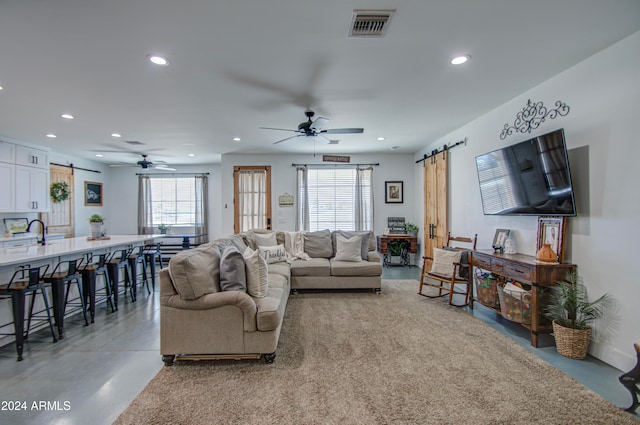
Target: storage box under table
515	303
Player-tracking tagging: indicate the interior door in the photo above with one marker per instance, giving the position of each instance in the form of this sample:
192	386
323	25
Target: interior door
436	169
252	198
59	219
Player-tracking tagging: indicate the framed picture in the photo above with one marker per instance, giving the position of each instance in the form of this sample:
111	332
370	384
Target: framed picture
500	238
393	193
16	225
551	231
93	194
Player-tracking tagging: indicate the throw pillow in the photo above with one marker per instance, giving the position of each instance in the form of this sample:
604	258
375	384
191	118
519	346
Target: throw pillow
349	234
318	244
349	249
257	277
463	272
443	261
264	239
232	273
273	254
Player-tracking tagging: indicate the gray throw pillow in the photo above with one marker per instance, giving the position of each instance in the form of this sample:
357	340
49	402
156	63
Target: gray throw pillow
232	272
349	249
318	244
464	261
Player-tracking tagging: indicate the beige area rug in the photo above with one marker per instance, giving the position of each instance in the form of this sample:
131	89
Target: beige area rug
361	358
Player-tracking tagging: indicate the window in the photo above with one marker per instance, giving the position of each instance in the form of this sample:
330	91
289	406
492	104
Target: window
252	197
335	198
173	201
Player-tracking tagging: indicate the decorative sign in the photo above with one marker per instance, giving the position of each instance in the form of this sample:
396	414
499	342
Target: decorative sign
285	200
531	116
335	158
396	225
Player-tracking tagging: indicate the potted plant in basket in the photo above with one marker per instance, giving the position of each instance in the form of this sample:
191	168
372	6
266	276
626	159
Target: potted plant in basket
571	313
95	223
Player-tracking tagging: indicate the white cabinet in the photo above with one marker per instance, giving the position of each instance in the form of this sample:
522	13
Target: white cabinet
32	189
8	192
7	152
32	157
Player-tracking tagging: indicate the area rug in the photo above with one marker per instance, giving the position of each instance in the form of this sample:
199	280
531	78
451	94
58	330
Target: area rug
362	358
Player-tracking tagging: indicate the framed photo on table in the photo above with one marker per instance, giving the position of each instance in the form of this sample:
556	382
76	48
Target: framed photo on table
393	192
500	238
551	231
93	194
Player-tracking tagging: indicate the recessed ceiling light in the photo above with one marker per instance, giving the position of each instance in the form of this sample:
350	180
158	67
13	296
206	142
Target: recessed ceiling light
0	87
67	116
51	136
459	60
99	155
116	135
192	154
236	139
159	60
380	138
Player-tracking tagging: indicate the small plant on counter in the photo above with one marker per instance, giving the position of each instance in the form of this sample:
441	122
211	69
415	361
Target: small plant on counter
96	218
163	228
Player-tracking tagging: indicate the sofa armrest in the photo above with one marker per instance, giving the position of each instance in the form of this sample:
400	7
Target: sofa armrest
373	256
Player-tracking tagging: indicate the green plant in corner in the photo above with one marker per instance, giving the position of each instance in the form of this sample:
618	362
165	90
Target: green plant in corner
411	228
96	218
60	191
569	306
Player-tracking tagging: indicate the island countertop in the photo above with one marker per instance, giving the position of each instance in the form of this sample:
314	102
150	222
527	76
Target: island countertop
56	248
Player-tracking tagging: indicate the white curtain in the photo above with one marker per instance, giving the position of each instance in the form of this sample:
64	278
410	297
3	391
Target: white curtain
145	212
201	225
252	188
363	211
302	208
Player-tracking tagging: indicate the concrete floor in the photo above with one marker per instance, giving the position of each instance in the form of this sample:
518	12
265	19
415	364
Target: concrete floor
92	375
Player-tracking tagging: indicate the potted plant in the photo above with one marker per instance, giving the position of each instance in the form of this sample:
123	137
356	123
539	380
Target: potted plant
163	228
95	223
411	229
571	312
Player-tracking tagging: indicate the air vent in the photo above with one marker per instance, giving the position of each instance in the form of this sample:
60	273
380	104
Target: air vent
370	23
133	142
334	142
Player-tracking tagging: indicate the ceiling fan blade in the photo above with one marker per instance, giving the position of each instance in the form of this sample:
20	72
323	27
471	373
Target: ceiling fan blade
319	124
284	140
122	165
343	131
164	168
281	129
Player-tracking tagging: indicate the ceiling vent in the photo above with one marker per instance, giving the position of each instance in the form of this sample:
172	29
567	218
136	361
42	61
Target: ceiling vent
370	23
133	142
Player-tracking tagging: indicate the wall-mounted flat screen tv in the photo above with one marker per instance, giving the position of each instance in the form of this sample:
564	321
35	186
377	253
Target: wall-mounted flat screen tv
529	178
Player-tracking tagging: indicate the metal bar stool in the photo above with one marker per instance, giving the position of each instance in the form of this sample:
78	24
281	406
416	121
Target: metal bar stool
119	260
65	274
17	289
152	253
90	272
137	257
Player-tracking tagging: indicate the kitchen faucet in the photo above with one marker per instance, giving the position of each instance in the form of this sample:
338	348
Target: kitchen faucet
44	230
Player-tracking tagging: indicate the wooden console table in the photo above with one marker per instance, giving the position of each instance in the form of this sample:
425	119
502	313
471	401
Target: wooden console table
383	244
525	269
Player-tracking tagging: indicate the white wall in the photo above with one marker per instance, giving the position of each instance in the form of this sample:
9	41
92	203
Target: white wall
393	167
602	137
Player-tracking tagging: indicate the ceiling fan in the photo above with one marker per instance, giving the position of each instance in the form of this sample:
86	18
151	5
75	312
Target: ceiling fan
315	128
145	164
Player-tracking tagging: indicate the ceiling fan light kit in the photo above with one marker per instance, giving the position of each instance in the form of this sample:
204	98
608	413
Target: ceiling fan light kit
311	128
145	165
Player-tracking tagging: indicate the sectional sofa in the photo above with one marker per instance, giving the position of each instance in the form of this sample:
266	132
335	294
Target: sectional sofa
206	312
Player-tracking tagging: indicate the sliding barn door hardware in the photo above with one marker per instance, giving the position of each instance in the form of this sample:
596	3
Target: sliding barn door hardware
443	149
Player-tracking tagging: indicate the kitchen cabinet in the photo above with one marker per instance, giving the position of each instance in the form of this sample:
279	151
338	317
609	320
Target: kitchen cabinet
32	157
8	193
7	152
32	189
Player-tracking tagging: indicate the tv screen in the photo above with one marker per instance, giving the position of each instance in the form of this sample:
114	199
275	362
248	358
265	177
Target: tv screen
528	178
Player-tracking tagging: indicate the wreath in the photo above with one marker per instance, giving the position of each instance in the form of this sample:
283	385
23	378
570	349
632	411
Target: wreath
59	191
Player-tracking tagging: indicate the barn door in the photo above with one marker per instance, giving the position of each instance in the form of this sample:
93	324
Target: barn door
436	191
59	219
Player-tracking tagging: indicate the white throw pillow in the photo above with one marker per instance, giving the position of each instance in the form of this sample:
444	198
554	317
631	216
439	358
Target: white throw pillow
264	239
349	249
273	254
256	272
443	261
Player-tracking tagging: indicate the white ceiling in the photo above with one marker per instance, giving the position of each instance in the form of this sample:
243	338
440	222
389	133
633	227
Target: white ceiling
240	65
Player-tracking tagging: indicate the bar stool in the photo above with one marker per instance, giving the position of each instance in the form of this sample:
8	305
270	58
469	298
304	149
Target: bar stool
152	253
120	260
90	272
134	258
18	290
66	273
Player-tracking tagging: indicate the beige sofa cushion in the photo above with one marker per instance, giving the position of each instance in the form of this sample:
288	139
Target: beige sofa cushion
282	269
270	309
313	267
196	272
349	268
318	244
256	270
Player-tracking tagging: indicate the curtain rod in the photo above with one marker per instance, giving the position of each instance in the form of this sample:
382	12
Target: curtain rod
73	167
334	165
172	174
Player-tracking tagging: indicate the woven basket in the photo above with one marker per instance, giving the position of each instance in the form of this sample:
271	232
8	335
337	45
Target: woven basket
572	343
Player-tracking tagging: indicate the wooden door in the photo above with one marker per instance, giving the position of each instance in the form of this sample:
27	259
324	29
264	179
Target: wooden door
436	169
59	219
251	198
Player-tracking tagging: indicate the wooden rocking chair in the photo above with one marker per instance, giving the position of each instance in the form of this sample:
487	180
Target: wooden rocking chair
450	266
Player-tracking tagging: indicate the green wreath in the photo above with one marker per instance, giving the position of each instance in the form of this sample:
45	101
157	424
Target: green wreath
59	191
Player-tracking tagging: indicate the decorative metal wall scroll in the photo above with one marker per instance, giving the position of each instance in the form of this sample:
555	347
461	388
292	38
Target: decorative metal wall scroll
531	116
